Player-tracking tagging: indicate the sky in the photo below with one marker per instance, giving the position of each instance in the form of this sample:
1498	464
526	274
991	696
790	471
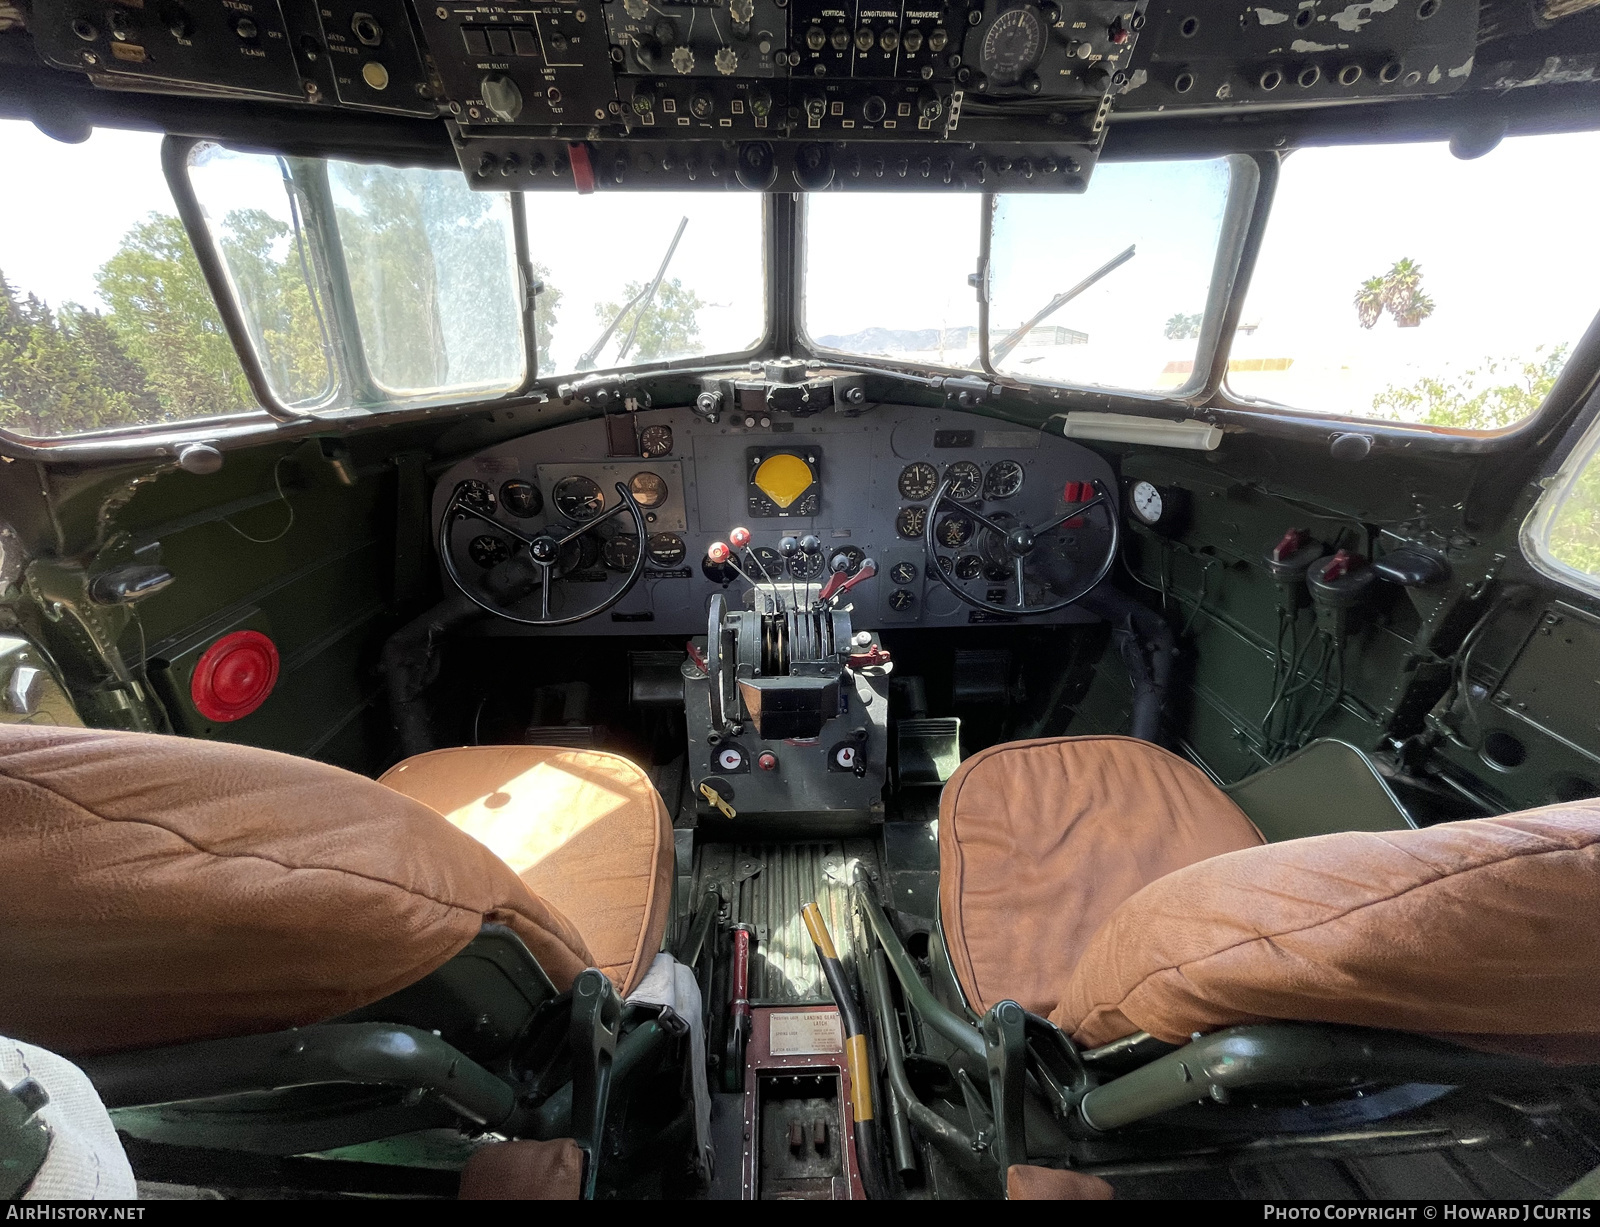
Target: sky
1502	241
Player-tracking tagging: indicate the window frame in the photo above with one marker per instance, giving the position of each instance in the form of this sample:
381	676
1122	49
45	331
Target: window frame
1234	246
1247	178
1577	379
1533	538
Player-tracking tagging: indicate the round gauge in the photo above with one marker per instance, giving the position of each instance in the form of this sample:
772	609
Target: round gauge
1003	480
770	561
620	552
953	531
919	480
648	490
579	554
807	566
578	499
730	758
903	572
965	479
488	551
969	567
655	442
854	556
901	599
521	498
666	549
1146	502
477	495
1012	46
911	521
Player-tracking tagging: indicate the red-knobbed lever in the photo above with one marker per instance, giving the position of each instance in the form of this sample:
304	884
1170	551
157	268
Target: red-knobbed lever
1293	542
840	582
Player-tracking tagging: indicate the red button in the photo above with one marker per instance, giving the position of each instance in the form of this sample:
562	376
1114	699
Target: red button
767	760
234	676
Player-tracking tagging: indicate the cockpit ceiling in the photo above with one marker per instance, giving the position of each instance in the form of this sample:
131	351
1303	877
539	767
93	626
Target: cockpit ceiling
621	95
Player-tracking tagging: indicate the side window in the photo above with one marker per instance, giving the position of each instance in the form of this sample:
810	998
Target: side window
1390	284
1562	536
105	318
425	268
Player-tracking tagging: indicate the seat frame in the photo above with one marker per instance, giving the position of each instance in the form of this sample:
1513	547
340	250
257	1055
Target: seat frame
484	1044
1033	1097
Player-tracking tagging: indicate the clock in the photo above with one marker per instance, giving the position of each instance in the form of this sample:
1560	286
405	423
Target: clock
1162	509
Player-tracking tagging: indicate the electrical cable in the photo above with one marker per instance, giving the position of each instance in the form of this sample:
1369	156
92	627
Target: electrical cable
277	480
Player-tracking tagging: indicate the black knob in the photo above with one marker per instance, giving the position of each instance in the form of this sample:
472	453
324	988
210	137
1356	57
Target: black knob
1098	78
701	104
761	101
816	106
874	109
648	52
1031	83
929	105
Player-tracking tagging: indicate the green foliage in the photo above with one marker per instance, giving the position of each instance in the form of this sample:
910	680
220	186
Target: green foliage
668	326
1494	394
545	308
1575	531
1399	291
162	312
290	338
1181	327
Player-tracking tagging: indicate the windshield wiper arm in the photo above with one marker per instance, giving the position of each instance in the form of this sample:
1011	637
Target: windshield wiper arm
641	300
997	353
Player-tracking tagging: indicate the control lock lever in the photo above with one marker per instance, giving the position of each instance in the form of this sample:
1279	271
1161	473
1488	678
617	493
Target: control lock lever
840	582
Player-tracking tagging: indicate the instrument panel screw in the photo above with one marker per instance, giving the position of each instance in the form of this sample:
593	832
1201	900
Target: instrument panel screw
442	13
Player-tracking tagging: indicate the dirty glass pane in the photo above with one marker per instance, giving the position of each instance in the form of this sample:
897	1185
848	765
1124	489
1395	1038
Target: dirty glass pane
887	280
599	257
1138	326
1400	282
105	319
255	219
433	274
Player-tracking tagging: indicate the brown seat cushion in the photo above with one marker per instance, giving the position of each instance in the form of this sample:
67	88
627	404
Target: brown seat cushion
586	830
163	889
1040	841
1489	927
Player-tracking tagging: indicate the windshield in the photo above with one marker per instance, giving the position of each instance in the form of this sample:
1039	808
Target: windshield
645	277
1109	288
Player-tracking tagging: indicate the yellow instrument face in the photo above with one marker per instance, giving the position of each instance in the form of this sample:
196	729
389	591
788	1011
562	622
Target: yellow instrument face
783	478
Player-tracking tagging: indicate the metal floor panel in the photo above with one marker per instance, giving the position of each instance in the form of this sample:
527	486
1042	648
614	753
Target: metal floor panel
766	886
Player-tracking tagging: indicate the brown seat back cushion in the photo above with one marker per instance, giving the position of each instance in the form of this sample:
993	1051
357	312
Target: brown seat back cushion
163	889
1489	927
586	831
1039	841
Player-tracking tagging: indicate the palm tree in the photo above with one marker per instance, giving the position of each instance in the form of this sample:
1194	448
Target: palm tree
1401	285
1418	309
1399	291
1369	301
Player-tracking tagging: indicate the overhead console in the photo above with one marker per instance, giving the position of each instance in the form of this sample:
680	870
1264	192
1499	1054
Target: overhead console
616	95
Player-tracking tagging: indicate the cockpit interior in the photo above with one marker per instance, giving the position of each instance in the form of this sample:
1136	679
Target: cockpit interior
773	600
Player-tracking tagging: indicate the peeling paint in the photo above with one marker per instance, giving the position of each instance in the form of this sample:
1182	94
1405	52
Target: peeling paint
1557	70
1434	75
1224	92
1305	46
1465	70
1271	17
1353	17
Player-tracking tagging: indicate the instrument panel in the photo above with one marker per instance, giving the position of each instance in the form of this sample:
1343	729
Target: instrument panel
861	486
